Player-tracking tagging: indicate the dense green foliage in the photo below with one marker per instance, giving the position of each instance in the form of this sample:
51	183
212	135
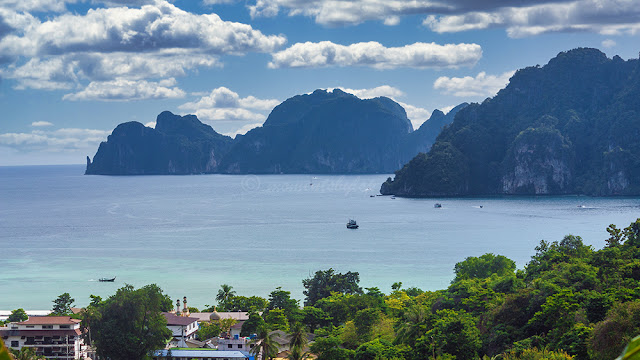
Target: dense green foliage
129	324
18	315
323	283
571	126
62	305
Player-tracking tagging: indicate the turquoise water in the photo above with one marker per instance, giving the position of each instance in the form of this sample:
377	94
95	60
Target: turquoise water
60	231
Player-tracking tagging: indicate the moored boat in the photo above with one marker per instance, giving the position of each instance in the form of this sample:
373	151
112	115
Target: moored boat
352	224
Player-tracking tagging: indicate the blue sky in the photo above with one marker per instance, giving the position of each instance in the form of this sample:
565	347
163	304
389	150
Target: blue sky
71	70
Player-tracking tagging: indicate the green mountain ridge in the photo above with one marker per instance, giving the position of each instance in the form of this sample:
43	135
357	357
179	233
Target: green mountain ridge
569	127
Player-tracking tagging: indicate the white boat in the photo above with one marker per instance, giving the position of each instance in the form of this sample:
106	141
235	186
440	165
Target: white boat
437	205
352	224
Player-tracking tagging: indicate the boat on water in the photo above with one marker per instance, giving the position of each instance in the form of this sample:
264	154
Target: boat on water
352	224
437	205
107	279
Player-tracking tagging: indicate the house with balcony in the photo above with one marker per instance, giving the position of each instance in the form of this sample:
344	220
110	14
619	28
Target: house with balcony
55	337
182	328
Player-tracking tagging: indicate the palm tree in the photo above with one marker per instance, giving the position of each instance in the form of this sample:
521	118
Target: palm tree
224	294
265	345
414	324
298	336
298	341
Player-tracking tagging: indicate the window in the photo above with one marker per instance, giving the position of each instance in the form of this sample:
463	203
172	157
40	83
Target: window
239	346
15	344
230	346
65	326
30	327
47	326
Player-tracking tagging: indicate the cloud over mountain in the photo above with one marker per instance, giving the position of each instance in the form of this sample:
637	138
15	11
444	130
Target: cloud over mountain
482	85
375	55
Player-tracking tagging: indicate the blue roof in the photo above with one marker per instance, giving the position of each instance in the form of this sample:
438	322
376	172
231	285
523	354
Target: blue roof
201	353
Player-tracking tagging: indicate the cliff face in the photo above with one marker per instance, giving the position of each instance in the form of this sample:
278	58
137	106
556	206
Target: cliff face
178	145
569	127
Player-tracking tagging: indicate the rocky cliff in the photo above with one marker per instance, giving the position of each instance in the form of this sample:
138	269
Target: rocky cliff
322	132
177	145
569	127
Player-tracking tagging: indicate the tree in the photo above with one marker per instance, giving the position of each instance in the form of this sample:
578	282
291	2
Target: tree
483	267
129	324
314	317
226	324
252	325
265	346
225	294
95	300
276	320
18	315
62	305
298	337
323	283
208	331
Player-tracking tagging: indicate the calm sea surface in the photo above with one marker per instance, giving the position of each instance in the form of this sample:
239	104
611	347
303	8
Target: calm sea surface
60	231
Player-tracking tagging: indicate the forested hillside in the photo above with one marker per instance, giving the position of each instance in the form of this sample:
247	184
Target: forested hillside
569	127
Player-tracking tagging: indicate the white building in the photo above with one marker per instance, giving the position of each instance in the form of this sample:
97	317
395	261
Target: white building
55	337
182	328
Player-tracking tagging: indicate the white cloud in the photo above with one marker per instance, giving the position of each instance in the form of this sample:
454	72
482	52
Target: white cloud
482	85
127	90
374	54
608	43
383	90
149	28
36	5
243	130
60	140
611	17
151	124
520	18
41	123
224	104
153	42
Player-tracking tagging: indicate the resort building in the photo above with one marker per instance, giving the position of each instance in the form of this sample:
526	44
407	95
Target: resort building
55	337
182	328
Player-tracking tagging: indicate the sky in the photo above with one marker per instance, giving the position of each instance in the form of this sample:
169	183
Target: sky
72	70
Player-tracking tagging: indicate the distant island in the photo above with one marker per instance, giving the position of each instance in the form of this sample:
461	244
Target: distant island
569	127
322	132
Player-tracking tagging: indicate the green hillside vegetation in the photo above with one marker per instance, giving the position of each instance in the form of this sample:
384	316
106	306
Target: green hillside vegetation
569	301
569	127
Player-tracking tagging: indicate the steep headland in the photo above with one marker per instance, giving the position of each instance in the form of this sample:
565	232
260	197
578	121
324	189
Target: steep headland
569	127
321	132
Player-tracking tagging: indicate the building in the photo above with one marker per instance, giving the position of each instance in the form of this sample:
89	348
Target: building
202	355
182	328
55	337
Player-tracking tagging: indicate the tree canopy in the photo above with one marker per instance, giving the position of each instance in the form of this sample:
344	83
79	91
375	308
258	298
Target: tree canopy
323	283
129	324
62	305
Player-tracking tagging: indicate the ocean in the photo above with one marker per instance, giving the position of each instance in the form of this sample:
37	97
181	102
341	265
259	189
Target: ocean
60	231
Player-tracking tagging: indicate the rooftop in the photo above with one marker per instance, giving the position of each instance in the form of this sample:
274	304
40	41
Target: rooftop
50	320
173	319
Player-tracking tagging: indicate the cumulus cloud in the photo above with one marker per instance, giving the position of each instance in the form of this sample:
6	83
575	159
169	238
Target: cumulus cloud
60	140
523	18
225	104
339	12
482	85
154	41
611	17
374	54
41	123
383	90
127	90
608	43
